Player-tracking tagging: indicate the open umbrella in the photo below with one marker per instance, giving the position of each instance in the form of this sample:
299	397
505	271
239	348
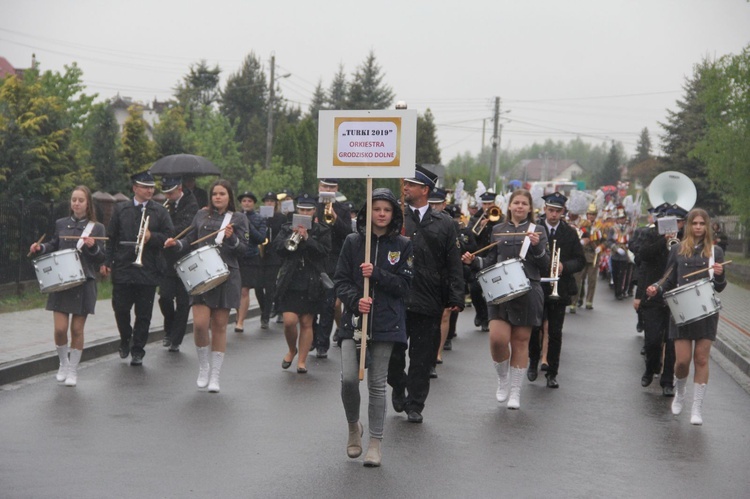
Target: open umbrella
184	164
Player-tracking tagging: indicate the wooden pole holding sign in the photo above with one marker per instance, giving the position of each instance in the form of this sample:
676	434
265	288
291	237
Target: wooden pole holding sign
366	295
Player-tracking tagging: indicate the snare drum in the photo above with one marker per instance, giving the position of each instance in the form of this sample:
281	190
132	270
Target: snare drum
202	270
59	271
692	302
504	281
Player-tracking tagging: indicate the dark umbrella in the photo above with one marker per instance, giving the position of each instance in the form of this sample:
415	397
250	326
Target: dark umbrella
184	164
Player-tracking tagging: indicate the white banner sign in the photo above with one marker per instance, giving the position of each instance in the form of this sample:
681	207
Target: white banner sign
362	144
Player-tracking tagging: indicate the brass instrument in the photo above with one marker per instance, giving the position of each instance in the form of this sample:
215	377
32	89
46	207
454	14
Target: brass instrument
140	241
292	243
328	215
262	248
553	270
166	202
493	214
672	241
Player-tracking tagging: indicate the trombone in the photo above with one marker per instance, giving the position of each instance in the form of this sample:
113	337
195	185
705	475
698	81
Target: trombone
140	241
493	214
553	273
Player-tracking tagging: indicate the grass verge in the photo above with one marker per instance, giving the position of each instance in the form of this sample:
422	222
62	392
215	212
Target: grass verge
34	299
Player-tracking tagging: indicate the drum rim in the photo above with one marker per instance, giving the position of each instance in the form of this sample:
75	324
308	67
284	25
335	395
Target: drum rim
685	287
500	264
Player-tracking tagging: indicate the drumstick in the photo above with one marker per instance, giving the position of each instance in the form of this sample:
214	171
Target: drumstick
498	242
97	238
705	270
187	229
210	235
38	242
485	248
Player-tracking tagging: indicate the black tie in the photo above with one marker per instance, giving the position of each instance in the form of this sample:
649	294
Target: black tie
417	219
552	232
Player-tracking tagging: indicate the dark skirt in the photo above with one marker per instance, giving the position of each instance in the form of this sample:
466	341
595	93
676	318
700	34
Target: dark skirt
80	300
225	295
525	310
704	329
251	275
299	303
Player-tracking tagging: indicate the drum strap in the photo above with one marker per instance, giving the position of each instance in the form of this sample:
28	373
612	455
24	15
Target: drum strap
224	223
526	242
711	262
86	231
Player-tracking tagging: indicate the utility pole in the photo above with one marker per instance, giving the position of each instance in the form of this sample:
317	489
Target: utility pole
495	143
269	132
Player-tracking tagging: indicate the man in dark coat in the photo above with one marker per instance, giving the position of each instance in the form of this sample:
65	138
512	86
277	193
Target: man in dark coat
557	297
438	284
270	261
481	226
134	282
174	300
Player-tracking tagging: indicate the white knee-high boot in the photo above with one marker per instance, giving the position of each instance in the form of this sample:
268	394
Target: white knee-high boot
679	395
503	380
517	375
217	359
75	357
699	391
203	366
62	371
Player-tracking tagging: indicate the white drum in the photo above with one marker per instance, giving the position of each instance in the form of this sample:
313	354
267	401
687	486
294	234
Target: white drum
59	271
692	302
202	270
504	281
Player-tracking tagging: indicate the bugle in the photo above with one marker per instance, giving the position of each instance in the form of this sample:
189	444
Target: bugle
140	241
553	273
493	214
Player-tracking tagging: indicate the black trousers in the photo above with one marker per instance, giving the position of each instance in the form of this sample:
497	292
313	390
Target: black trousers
423	332
324	323
266	291
478	302
174	303
124	298
656	339
554	312
622	273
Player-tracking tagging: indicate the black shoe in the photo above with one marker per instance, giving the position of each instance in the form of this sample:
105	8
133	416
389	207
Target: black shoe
174	347
336	337
137	359
280	319
264	324
448	345
414	417
477	322
552	382
124	349
532	373
646	379
643	350
399	400
433	373
544	367
639	327
166	342
667	390
322	354
485	327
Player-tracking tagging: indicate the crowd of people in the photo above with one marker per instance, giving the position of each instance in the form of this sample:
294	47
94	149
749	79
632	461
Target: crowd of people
308	262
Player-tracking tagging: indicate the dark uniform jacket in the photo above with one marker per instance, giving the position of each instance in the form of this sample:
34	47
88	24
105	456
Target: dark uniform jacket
273	229
300	269
123	228
571	257
438	272
182	218
651	263
392	259
340	229
257	234
91	258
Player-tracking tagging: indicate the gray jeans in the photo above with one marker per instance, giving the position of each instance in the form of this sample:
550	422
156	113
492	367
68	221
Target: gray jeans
377	374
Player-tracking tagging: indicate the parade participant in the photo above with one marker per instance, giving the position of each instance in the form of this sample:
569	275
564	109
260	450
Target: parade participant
591	240
622	267
720	237
201	196
135	262
693	341
270	264
174	300
511	322
211	309
436	200
652	253
72	306
436	264
389	277
299	288
250	269
558	296
481	226
337	216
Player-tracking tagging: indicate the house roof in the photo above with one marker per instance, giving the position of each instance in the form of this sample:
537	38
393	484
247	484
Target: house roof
6	68
531	169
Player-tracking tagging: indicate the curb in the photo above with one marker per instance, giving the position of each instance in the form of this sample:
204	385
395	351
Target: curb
18	370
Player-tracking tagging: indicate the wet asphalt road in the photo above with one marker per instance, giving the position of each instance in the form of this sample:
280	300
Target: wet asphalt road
148	432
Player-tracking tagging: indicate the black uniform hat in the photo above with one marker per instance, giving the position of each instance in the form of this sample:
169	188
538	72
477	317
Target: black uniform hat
677	211
248	194
144	178
306	201
423	176
269	196
660	210
437	196
168	184
329	181
488	197
555	200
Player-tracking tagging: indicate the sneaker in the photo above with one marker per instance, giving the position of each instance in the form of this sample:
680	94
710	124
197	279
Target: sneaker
166	342
174	347
322	354
264	324
137	359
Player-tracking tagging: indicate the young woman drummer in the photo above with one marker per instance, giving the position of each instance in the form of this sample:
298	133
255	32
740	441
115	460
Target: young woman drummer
511	322
70	307
211	309
693	341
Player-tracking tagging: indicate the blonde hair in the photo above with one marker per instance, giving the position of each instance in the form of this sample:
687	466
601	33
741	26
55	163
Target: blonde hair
689	242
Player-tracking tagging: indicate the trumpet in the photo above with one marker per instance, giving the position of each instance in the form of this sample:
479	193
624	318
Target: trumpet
293	241
672	241
140	241
553	270
493	214
262	248
328	215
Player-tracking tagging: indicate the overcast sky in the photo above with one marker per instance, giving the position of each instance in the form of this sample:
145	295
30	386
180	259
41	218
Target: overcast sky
601	69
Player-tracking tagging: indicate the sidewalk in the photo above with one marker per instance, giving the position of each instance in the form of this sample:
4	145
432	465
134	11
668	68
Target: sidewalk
27	349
